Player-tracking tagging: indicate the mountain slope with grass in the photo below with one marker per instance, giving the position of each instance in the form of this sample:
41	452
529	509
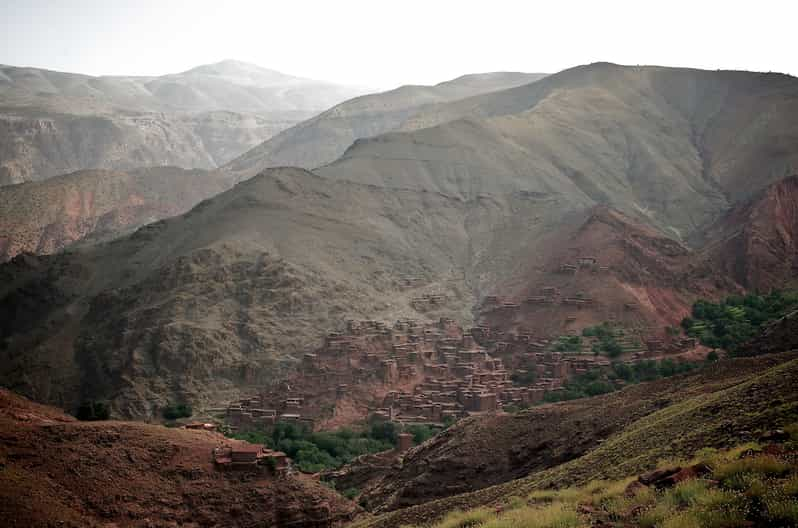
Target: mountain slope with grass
604	437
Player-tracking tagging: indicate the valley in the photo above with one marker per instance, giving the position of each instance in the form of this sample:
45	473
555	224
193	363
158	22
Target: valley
311	309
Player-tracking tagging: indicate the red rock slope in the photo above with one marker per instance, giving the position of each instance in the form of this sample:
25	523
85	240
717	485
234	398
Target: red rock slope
55	471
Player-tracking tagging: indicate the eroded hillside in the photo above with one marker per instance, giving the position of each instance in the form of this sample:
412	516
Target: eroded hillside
57	471
46	217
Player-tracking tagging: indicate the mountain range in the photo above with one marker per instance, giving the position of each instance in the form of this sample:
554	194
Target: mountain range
532	207
52	123
636	167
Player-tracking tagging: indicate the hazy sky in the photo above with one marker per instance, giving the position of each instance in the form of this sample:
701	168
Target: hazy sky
383	44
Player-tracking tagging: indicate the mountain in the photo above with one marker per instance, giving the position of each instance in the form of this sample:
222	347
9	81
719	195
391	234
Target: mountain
228	85
45	217
615	166
61	472
673	147
322	139
53	123
756	241
198	306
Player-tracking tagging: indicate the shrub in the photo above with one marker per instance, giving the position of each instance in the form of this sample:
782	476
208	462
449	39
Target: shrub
556	515
93	411
791	487
568	344
731	473
351	493
686	493
174	412
735	320
421	433
465	519
314	452
782	511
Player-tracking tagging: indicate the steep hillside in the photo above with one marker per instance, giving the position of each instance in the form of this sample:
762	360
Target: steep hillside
59	472
324	138
673	146
603	168
221	299
52	122
45	217
199	306
719	406
604	267
756	242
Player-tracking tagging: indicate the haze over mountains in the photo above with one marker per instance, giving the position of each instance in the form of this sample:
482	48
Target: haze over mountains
324	138
311	142
622	163
53	123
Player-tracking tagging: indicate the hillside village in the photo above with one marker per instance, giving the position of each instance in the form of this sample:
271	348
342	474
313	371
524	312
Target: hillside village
424	372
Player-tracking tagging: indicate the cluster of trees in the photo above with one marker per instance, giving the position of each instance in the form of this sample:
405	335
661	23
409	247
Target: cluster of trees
176	411
598	381
317	451
606	344
93	411
568	344
737	319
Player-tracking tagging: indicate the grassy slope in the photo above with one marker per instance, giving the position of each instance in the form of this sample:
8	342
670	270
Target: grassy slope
715	418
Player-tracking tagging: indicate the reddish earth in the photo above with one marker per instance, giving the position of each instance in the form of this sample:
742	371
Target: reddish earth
55	471
640	279
46	217
756	243
646	280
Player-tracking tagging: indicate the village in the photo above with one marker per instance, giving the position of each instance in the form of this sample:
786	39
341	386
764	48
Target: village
425	372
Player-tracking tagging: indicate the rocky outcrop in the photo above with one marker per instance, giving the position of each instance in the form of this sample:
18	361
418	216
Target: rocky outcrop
756	242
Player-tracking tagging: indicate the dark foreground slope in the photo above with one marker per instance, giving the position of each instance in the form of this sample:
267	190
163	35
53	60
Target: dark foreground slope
604	437
59	472
607	437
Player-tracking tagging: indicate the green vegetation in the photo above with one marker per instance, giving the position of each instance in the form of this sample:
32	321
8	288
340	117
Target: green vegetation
603	330
174	412
757	490
597	381
421	433
735	320
93	411
606	344
568	344
314	452
351	493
